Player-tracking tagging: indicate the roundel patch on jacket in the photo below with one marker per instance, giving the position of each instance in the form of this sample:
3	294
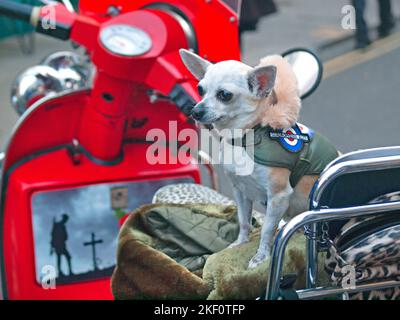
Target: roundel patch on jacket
292	139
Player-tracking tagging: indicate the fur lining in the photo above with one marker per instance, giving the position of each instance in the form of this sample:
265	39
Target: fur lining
144	271
285	112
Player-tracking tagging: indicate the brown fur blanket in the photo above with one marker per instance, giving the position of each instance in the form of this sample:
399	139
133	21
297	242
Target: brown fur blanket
146	270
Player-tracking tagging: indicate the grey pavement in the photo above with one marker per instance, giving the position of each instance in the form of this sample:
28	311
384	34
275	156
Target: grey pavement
303	23
298	23
360	107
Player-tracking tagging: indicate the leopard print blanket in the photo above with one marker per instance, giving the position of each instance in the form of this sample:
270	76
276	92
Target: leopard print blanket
375	257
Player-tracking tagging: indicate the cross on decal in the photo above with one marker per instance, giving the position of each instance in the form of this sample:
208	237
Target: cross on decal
93	244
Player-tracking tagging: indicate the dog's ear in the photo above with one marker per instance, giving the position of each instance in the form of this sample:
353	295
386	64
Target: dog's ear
261	80
196	64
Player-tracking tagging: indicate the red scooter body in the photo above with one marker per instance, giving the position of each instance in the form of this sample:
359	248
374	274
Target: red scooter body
77	152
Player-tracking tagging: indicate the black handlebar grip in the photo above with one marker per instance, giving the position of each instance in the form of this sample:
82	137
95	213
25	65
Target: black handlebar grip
182	99
28	13
16	10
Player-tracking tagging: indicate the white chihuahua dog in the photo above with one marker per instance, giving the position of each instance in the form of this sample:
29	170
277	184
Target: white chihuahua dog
237	96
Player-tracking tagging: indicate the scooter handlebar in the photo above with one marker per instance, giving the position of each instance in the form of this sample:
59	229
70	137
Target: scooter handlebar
33	15
16	10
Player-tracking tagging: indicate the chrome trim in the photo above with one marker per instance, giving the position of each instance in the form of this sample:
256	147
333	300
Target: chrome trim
59	71
312	259
322	292
67	4
352	166
183	21
341	166
34	83
187	29
352	153
310	217
2	156
320	66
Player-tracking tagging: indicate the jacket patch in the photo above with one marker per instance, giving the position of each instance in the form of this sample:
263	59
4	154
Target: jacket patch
292	139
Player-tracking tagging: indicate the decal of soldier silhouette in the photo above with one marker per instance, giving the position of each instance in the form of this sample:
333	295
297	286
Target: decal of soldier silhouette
76	230
59	247
59	237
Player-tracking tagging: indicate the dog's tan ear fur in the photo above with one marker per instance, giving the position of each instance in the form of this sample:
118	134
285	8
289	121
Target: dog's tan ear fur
195	64
284	111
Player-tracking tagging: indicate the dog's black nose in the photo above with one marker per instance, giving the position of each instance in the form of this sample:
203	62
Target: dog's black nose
198	112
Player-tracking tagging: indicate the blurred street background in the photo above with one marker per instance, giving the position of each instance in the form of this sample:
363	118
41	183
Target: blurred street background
357	105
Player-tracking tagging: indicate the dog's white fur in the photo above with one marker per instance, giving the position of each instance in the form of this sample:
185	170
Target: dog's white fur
266	95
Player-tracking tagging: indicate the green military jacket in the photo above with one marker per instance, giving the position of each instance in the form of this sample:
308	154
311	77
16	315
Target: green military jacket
299	149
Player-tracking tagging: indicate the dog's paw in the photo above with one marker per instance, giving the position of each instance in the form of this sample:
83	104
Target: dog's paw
257	260
238	242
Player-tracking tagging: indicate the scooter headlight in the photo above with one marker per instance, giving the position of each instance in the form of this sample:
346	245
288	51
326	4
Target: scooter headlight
72	68
60	71
33	84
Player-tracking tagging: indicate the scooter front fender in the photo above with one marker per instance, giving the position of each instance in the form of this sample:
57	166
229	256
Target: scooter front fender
50	122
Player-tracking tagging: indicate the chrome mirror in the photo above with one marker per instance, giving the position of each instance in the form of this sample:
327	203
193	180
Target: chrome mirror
2	157
308	69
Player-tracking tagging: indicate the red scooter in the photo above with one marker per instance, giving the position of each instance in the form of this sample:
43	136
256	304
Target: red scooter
76	161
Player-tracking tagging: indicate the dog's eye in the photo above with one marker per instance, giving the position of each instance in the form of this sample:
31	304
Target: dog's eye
224	96
201	90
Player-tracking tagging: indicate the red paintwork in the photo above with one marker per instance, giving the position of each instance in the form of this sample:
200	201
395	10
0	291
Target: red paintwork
55	123
104	128
44	174
217	36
